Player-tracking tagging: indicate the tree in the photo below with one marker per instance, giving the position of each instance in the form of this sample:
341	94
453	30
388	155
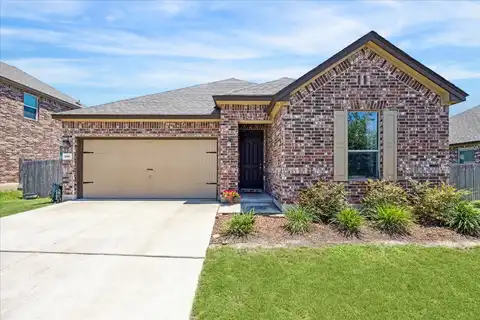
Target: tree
362	131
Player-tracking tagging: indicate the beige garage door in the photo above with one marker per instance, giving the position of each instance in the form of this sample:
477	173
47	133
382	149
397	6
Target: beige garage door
149	168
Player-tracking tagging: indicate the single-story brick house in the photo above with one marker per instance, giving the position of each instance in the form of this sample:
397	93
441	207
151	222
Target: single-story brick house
465	136
370	111
27	130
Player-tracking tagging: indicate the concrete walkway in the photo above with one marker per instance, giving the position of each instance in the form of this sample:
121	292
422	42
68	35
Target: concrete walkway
104	259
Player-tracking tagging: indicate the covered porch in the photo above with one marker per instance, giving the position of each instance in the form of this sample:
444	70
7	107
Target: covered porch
253	169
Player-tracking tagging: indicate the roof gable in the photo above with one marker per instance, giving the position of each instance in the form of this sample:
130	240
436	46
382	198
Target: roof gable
449	93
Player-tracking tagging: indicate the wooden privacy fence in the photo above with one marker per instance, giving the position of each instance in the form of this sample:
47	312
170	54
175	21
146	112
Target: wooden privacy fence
37	176
466	176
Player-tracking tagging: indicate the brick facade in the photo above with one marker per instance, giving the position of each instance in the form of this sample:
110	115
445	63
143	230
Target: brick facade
422	133
274	159
454	151
228	172
22	138
299	141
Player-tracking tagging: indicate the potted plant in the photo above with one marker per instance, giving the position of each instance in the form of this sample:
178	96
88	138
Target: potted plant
230	196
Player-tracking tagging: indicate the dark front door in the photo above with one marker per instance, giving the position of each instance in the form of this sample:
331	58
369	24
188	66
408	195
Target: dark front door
251	159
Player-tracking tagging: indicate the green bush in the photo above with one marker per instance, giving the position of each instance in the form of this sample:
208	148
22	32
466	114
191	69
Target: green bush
416	191
476	204
324	200
299	220
393	219
241	224
465	219
383	192
434	204
349	220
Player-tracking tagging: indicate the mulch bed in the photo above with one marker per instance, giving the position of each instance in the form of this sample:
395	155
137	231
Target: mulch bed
270	232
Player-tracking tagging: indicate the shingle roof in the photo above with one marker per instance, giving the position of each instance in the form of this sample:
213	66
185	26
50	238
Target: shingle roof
16	75
195	100
465	126
266	88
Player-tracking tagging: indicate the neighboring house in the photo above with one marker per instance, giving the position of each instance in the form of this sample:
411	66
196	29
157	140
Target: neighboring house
465	136
370	111
27	130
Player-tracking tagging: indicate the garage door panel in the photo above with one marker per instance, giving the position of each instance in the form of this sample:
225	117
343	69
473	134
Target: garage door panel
150	168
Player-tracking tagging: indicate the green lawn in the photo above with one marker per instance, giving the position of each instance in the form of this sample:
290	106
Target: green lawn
341	282
11	202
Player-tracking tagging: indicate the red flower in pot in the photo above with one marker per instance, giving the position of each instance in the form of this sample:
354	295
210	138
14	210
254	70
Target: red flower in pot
230	195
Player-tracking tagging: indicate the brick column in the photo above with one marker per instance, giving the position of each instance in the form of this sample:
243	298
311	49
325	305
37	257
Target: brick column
69	145
228	155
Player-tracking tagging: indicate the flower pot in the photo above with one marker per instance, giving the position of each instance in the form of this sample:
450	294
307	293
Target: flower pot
230	196
230	199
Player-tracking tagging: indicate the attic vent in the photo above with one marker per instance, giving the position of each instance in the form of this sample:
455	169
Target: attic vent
363	79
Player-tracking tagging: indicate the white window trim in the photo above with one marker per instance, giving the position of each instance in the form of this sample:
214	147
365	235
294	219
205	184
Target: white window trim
36	109
364	151
465	149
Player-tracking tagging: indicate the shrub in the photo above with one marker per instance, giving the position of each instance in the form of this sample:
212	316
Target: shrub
393	219
324	200
476	204
465	219
298	219
241	224
383	192
348	220
416	190
434	204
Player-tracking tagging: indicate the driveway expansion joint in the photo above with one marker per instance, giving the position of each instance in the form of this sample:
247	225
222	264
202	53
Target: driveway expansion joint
105	254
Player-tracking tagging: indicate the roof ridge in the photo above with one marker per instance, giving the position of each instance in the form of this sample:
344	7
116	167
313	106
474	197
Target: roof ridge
172	90
77	102
249	86
277	80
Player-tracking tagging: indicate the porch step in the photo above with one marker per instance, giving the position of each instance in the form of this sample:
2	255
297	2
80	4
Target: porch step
255	198
260	208
261	203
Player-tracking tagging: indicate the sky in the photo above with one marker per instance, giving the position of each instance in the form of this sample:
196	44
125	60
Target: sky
103	51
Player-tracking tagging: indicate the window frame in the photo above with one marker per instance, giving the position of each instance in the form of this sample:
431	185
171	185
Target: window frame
30	107
377	176
465	149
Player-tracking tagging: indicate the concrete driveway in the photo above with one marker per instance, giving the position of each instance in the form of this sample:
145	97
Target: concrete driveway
104	259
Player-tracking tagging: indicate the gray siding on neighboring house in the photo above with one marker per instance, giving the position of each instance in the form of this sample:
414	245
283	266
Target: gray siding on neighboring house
454	150
465	133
